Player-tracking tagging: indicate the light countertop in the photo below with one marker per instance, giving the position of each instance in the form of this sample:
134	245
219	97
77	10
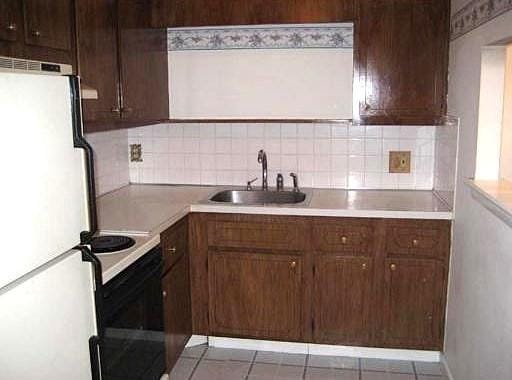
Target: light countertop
144	211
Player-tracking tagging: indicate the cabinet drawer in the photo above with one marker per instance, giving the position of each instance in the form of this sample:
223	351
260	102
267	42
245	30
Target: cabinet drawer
174	243
354	237
418	238
256	233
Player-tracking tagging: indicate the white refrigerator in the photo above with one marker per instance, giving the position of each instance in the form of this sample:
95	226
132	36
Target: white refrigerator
49	282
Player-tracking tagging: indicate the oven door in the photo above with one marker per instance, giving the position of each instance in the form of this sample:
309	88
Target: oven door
133	344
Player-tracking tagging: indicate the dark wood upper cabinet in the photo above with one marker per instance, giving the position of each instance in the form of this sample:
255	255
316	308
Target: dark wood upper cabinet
10	20
48	23
401	60
176	13
255	295
98	66
342	300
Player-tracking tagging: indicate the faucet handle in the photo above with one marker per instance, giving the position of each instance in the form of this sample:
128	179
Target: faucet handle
279	182
249	184
295	181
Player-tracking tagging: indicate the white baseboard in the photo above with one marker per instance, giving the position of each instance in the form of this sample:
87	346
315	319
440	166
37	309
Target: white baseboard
446	367
323	349
196	340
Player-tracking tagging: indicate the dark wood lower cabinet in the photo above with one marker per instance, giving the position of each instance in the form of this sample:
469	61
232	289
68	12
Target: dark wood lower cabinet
255	295
342	300
347	281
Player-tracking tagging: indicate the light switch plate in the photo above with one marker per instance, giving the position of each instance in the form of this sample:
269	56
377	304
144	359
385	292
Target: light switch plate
135	152
400	162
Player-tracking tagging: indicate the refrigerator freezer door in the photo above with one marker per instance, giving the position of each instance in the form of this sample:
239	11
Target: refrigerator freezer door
47	321
43	196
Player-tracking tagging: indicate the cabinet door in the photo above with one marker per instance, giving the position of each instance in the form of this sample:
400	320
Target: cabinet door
342	299
9	20
143	65
174	242
255	295
48	23
97	57
401	55
413	299
177	310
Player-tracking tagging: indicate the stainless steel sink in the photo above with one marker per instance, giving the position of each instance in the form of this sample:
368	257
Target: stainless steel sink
259	197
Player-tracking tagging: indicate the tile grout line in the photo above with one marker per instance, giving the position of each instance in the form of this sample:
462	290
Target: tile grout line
306	362
252	365
360	368
414	370
197	364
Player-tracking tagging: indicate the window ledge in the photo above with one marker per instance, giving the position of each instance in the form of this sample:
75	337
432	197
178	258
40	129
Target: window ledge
495	196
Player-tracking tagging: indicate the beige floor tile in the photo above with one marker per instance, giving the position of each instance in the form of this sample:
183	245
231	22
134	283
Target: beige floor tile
183	368
430	377
215	353
275	371
427	368
194	352
331	374
280	358
398	366
221	370
372	375
333	362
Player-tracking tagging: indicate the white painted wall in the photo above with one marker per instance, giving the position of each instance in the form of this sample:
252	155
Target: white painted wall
479	321
261	84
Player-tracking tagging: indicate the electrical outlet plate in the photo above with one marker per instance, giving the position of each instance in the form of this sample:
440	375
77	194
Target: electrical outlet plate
400	162
135	152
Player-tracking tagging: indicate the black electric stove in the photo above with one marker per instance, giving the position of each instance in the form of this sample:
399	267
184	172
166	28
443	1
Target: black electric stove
111	243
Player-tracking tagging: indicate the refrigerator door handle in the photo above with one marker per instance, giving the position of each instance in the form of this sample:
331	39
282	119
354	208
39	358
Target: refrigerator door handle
95	340
80	142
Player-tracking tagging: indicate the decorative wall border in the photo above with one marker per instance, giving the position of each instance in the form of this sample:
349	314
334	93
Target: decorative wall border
476	13
327	36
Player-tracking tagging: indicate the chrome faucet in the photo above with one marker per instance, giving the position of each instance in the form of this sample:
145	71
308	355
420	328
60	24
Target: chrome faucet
295	178
262	159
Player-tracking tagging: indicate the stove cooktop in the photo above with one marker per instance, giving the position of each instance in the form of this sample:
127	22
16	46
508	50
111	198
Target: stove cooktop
111	243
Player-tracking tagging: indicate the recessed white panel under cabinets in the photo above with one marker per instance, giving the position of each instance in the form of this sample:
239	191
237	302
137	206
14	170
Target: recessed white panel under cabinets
293	72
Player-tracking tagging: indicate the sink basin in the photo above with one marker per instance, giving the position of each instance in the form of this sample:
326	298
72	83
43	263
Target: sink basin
258	197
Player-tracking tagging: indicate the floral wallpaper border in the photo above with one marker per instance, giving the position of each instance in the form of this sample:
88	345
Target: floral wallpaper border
337	36
476	13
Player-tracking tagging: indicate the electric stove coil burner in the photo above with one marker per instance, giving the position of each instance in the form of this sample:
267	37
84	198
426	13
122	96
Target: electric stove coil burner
111	243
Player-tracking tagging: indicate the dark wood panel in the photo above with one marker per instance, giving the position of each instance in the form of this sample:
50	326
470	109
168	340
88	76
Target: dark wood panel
48	23
401	59
344	235
98	65
263	232
413	304
143	65
177	309
419	238
342	300
255	295
10	20
174	242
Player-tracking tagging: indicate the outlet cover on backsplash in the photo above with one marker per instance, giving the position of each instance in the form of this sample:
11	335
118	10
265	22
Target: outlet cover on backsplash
136	152
400	162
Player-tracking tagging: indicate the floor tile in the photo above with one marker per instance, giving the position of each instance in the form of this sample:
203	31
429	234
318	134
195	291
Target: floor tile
398	366
331	374
280	358
427	368
372	375
183	368
430	377
194	352
221	370
215	353
275	371
333	362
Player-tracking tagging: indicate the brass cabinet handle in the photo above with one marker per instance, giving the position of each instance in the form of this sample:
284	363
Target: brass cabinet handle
11	27
115	110
36	33
172	250
392	267
293	264
415	242
164	294
364	266
344	240
429	317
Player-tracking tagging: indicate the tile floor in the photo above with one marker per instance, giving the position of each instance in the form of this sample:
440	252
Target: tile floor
210	363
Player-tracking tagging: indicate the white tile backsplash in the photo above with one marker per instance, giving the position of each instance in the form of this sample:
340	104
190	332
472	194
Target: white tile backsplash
324	155
111	166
